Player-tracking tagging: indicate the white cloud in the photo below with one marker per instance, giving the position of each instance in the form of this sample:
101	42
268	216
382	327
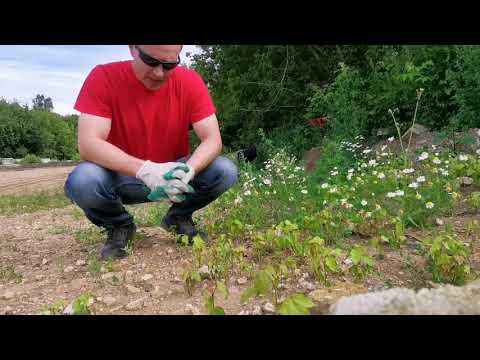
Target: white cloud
56	71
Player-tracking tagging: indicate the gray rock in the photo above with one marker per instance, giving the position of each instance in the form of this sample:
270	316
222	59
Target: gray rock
109	300
7	311
69	309
177	279
465	180
204	272
158	292
68	269
307	285
80	262
445	300
129	277
417	129
192	310
147	277
257	310
268	308
77	284
132	289
242	281
135	305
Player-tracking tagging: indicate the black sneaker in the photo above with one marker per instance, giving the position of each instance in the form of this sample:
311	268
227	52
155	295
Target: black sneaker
182	225
117	241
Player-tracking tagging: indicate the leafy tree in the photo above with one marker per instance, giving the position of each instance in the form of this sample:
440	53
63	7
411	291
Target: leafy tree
40	102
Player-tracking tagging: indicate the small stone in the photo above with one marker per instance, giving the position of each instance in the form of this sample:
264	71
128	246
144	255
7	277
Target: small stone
80	262
465	180
158	292
148	286
68	269
8	295
108	276
244	312
45	261
7	311
39	277
77	284
268	308
177	279
132	289
169	251
192	310
135	305
103	269
147	277
68	310
204	272
307	285
242	281
439	222
109	300
348	261
257	310
129	276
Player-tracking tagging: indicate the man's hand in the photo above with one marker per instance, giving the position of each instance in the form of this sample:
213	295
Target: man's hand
156	176
185	176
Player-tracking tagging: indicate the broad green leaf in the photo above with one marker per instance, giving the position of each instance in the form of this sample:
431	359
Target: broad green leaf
356	255
195	276
217	310
368	260
297	304
331	263
263	281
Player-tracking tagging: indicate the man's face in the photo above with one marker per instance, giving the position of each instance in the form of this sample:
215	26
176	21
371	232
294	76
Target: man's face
154	76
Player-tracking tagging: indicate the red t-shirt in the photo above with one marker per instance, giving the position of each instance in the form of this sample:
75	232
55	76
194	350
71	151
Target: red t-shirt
150	125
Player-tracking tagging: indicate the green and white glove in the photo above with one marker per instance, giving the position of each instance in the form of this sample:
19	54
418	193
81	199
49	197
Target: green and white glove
163	180
185	176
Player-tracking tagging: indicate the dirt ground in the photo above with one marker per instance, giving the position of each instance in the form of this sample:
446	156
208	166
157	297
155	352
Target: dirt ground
43	262
17	182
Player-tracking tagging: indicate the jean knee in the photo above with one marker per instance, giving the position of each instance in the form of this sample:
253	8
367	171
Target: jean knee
85	182
229	170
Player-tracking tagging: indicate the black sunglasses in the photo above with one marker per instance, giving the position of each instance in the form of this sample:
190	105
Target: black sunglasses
152	62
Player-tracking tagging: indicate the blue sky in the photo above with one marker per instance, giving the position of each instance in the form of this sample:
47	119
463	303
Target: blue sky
56	71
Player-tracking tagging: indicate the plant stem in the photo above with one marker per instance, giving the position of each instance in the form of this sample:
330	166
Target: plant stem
414	119
399	137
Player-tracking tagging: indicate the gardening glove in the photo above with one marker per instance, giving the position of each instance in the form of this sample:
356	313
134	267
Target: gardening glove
160	179
185	176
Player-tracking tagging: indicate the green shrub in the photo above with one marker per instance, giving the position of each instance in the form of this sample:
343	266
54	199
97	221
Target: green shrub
30	159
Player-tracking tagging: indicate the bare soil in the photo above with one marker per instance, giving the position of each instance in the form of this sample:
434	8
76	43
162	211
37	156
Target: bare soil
42	262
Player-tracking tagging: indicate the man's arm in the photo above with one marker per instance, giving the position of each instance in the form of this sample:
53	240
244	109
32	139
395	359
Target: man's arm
211	143
92	135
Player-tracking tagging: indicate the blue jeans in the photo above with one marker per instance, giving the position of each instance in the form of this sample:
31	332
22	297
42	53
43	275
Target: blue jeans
101	193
